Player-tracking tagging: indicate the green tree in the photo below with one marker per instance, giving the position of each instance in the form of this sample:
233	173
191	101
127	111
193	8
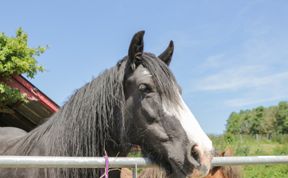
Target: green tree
282	118
259	120
16	58
256	120
246	122
233	123
269	123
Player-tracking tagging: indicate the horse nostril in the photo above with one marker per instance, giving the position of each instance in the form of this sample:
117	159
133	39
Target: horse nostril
195	153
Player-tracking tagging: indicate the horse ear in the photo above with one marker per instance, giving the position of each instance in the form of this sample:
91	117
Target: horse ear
166	56
228	152
136	48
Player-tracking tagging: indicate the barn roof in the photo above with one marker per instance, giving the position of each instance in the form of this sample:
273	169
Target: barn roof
27	115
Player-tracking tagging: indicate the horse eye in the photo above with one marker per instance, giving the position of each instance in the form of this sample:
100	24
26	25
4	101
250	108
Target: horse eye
144	88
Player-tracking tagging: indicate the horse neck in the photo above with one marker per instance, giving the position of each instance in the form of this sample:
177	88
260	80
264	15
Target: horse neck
91	118
86	124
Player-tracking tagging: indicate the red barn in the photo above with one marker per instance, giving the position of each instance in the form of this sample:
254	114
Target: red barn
27	115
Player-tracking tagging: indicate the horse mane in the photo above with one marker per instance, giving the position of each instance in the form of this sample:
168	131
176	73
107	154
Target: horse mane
93	113
164	79
225	172
83	125
232	171
155	172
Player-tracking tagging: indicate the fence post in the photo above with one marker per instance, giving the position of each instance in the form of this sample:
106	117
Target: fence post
135	171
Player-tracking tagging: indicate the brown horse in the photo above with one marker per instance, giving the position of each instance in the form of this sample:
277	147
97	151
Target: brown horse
225	171
215	172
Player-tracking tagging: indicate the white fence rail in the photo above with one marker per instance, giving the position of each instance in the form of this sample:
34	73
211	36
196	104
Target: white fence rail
116	162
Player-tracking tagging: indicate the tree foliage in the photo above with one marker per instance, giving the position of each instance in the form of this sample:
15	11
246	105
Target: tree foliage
259	120
16	58
282	118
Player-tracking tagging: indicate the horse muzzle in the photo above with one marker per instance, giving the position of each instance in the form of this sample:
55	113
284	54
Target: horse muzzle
201	161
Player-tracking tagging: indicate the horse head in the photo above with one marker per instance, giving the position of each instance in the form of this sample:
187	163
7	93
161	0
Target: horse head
157	117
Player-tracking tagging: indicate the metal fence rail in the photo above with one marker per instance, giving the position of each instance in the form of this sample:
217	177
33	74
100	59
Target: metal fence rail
116	162
248	160
70	162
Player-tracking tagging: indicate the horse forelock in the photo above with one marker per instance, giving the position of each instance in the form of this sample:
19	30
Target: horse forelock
164	79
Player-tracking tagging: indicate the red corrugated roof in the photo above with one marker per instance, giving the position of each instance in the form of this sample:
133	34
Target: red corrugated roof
28	115
33	93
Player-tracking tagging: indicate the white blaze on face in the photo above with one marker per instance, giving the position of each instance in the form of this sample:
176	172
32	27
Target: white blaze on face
146	72
189	123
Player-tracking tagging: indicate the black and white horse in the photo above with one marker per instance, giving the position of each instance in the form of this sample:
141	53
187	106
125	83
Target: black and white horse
138	101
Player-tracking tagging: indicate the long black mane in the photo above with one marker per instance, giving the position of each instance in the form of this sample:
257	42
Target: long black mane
92	117
83	126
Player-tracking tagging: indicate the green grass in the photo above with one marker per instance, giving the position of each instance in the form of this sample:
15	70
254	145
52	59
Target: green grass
256	146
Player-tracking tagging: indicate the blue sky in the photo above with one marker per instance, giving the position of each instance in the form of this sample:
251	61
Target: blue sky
229	55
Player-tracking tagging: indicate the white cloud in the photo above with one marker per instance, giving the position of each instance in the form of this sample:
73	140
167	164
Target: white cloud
242	77
214	61
258	62
250	71
243	85
241	102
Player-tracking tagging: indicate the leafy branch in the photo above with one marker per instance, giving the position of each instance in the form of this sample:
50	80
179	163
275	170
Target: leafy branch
16	58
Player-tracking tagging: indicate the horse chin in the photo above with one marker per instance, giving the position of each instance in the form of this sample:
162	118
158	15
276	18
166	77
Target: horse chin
171	167
173	170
